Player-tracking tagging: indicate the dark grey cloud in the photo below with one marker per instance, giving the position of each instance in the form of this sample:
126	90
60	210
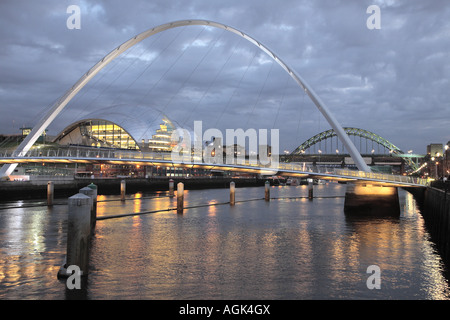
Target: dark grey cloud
393	81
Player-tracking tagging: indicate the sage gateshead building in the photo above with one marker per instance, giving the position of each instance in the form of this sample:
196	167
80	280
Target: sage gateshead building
140	128
143	129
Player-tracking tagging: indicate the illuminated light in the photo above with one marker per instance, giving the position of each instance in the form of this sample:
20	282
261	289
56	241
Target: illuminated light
373	190
162	135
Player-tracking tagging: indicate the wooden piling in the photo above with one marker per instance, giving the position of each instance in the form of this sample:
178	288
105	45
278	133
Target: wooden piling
267	191
180	197
232	193
94	198
310	189
123	187
92	194
78	233
171	191
50	193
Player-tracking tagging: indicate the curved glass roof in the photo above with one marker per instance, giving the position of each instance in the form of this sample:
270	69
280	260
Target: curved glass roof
141	123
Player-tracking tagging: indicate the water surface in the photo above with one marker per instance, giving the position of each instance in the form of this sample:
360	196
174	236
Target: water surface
288	248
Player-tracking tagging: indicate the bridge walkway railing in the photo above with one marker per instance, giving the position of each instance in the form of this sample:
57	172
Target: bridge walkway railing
90	153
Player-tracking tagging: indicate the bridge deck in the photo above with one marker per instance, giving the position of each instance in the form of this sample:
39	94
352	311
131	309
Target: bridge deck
282	169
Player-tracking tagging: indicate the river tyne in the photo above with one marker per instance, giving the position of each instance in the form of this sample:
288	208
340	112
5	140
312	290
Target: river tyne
289	248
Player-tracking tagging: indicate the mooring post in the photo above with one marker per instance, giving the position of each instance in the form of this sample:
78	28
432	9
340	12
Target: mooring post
267	191
123	186
171	193
94	198
180	197
50	193
310	189
78	233
232	193
90	193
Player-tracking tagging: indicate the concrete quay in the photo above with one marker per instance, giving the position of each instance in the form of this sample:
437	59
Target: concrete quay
434	204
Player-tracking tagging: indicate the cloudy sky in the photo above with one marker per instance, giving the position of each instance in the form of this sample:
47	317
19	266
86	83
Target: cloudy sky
393	81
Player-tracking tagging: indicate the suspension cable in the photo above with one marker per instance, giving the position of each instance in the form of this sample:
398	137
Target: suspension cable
97	81
214	80
259	95
281	102
235	89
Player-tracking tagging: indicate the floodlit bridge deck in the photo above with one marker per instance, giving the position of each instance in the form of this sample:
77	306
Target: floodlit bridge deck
158	159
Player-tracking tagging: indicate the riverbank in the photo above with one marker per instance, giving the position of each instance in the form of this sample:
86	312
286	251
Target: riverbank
11	190
436	212
434	205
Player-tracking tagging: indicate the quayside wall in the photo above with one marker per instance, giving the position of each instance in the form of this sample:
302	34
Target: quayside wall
435	208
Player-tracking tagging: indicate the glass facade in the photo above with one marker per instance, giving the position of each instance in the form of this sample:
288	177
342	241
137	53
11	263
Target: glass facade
103	133
162	139
132	135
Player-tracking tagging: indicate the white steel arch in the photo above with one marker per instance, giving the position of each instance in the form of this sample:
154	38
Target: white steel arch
59	105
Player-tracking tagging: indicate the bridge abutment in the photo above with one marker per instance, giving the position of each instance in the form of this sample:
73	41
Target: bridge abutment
371	199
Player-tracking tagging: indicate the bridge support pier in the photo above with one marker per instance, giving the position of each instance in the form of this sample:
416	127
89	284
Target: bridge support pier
372	200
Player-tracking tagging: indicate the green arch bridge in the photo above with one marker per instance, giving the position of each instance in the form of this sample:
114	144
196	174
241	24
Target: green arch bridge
362	133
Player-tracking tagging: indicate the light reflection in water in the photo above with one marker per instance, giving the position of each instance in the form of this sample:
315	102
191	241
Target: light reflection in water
212	210
137	202
30	254
282	249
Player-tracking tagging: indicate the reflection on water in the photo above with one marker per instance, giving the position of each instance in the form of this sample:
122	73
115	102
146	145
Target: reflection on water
288	248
